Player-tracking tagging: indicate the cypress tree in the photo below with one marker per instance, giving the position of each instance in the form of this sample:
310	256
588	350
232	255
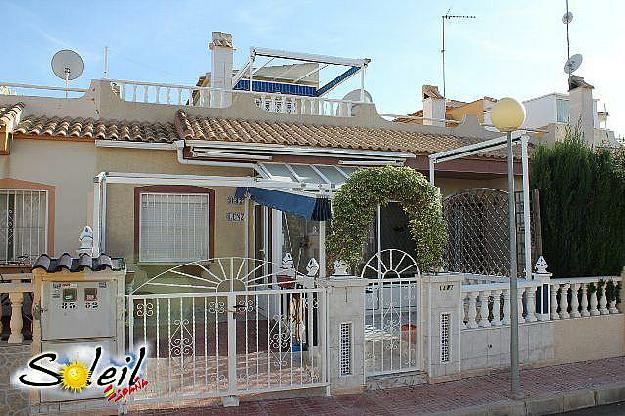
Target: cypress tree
582	206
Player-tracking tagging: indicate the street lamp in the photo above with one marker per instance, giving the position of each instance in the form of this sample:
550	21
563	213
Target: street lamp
507	116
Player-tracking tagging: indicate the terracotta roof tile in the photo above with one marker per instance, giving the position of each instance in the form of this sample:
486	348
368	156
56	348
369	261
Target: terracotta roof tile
10	113
89	128
311	135
241	131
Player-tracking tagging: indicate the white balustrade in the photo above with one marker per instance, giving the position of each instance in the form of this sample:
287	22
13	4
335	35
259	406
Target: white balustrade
564	301
519	296
16	290
484	312
486	299
589	297
506	307
584	304
530	306
488	304
575	301
209	97
496	308
472	312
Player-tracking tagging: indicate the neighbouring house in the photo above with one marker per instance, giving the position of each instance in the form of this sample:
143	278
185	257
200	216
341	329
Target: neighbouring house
188	149
548	114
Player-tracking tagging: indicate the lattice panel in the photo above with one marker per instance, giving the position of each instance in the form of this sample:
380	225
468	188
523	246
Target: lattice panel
477	221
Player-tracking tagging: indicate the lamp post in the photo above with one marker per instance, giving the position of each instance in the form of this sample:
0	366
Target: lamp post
507	116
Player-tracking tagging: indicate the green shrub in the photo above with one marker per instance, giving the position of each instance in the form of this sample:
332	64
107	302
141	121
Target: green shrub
582	207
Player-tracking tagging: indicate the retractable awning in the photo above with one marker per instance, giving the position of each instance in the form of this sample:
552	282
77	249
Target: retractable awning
315	208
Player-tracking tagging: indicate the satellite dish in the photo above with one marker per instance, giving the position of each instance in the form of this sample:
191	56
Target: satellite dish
355	95
567	18
67	65
573	64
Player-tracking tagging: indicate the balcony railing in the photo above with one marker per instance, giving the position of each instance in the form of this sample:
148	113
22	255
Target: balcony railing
209	97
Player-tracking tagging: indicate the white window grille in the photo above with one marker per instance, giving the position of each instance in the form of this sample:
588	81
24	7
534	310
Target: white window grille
173	227
345	349
23	225
445	327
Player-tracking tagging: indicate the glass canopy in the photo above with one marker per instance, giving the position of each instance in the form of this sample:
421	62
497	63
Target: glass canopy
324	175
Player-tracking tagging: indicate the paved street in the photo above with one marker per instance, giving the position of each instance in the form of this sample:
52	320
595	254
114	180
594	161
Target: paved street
617	409
440	398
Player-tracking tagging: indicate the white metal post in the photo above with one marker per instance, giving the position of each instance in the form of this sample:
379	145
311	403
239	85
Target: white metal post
232	400
431	169
96	215
362	83
103	217
322	249
527	243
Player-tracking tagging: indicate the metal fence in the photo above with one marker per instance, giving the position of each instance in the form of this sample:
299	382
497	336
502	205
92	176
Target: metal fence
227	329
477	221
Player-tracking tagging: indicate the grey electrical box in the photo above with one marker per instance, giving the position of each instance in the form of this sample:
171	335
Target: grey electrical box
78	310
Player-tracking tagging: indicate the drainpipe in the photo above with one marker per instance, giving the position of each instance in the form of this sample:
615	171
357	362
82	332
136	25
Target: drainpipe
180	147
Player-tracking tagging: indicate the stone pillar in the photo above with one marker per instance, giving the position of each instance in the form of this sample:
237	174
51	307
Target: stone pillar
543	292
442	304
345	333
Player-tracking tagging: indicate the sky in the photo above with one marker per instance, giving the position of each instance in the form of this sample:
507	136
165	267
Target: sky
512	48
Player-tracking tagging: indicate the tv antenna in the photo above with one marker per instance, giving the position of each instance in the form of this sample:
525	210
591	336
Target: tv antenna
445	17
67	65
572	62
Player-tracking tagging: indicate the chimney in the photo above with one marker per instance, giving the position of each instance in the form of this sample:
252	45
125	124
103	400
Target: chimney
433	106
582	107
221	60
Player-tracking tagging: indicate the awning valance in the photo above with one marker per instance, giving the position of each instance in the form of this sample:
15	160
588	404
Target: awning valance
310	207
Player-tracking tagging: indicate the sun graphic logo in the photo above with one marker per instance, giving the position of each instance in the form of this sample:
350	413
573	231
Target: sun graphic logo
74	376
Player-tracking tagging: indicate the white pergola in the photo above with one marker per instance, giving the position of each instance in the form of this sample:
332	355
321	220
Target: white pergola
146	179
490	145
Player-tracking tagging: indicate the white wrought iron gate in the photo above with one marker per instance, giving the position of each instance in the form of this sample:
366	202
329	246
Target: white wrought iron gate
228	329
392	318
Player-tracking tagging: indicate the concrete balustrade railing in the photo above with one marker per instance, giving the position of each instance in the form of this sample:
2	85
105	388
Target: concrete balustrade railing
209	97
488	304
16	285
486	299
583	297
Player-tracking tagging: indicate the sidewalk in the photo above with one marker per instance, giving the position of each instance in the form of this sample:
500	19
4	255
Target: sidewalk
548	390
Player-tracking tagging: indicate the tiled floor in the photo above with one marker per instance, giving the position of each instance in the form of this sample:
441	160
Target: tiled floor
427	398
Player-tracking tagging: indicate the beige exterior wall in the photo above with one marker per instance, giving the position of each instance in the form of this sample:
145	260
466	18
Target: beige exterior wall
69	168
120	233
590	338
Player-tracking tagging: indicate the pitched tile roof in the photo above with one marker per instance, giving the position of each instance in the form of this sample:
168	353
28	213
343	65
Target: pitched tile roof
10	113
311	135
78	264
98	129
242	131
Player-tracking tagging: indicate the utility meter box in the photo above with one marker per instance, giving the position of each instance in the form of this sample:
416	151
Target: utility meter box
78	305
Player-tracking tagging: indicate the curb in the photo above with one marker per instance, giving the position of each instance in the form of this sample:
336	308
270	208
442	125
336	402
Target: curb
546	405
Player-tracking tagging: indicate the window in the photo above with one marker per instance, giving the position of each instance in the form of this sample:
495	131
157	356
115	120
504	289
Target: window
23	233
562	108
173	227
